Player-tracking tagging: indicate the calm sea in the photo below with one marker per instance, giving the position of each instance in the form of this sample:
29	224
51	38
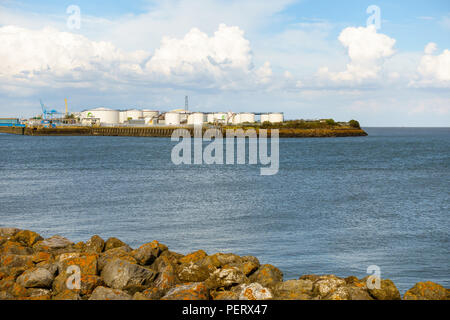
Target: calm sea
337	205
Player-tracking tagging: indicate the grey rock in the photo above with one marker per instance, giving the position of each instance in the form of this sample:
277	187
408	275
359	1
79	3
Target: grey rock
36	278
95	244
55	242
8	232
119	274
103	293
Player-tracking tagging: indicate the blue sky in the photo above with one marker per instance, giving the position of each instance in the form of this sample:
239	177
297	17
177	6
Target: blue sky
308	59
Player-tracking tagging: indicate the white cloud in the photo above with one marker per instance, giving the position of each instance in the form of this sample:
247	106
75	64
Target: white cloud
26	53
367	51
43	57
264	73
433	70
196	55
430	48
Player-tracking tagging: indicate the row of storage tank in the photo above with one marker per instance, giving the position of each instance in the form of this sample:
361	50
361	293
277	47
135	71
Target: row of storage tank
177	117
195	118
110	116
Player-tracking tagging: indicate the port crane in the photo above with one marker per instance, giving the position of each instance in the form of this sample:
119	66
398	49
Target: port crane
46	113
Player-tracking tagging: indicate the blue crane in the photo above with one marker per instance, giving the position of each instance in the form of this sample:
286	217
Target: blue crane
46	112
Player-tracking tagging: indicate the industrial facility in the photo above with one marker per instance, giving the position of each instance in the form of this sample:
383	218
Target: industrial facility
110	117
135	117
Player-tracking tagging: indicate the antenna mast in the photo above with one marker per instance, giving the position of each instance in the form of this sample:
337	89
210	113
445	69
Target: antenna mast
186	103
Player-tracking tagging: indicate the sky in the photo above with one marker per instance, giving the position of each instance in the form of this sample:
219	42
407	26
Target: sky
384	63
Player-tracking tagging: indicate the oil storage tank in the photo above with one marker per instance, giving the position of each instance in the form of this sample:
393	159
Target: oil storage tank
105	115
276	117
172	118
196	118
149	113
122	116
134	114
247	117
236	118
264	117
221	117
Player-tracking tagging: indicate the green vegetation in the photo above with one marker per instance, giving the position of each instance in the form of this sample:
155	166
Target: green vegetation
354	124
308	124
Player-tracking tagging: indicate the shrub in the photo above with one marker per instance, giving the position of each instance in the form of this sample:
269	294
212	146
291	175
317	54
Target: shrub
354	124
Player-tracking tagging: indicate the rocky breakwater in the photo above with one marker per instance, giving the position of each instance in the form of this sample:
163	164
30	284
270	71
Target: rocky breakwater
34	268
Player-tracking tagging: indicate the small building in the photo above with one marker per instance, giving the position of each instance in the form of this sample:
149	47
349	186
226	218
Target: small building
10	122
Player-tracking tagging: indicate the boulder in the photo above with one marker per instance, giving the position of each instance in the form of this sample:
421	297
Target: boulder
225	295
53	243
67	295
14	247
120	274
167	277
80	247
36	278
192	272
122	253
326	285
193	257
294	290
112	243
5	295
13	264
42	256
87	262
267	275
26	237
193	291
89	282
51	266
95	244
387	291
104	293
39	292
254	291
427	291
148	252
151	293
225	278
8	232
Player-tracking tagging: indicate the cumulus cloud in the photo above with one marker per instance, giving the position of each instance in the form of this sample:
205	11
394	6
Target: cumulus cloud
367	51
224	56
223	60
26	53
433	70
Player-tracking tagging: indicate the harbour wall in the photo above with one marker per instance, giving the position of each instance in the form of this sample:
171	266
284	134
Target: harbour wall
167	131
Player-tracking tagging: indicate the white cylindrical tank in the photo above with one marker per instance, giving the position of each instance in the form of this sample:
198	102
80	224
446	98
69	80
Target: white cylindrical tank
196	118
264	117
134	114
275	117
236	118
247	117
172	118
105	115
149	113
220	117
122	116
